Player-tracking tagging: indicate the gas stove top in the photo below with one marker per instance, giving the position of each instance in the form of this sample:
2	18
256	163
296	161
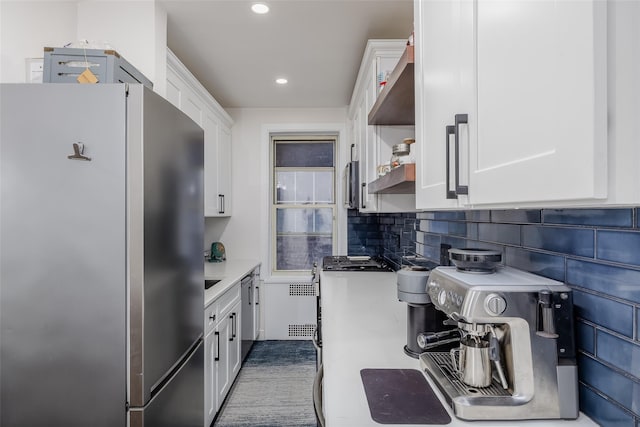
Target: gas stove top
354	263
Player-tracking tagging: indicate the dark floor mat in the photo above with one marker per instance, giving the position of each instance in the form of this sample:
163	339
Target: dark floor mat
402	396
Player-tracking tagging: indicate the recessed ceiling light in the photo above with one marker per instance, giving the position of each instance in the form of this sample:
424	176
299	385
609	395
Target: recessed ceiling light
260	8
282	81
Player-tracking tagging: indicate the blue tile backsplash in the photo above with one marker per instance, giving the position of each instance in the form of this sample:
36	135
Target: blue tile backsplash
619	246
595	251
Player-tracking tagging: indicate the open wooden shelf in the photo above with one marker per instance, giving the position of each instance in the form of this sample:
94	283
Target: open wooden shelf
400	180
396	103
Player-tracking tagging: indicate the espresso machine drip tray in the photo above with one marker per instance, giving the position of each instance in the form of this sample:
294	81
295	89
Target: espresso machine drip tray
438	365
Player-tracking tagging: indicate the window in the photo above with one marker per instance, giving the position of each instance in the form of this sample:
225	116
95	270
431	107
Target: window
303	207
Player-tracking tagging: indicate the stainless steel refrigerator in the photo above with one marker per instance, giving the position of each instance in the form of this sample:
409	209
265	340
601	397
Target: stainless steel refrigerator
101	266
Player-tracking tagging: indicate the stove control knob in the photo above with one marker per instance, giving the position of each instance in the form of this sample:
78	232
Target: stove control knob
495	304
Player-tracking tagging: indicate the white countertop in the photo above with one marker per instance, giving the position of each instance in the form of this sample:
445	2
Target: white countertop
228	272
364	326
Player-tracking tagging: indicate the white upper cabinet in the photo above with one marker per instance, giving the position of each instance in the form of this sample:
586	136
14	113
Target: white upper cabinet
224	171
367	147
186	93
512	96
444	87
541	101
374	142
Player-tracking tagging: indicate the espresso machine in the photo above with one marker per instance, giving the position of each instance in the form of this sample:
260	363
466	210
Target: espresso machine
516	358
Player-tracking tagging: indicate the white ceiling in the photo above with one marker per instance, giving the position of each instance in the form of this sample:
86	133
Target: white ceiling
316	44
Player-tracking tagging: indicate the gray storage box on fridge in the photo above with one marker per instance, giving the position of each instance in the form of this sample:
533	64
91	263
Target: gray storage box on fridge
64	65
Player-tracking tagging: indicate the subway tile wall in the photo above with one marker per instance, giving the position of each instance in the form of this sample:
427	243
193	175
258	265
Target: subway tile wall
595	251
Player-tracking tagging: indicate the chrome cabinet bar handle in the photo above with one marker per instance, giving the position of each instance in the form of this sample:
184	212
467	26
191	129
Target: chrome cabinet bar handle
451	193
257	295
460	119
362	205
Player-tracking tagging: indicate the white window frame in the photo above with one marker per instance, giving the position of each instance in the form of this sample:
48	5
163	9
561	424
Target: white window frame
300	137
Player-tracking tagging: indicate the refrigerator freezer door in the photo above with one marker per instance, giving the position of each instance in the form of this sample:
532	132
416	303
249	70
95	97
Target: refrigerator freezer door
179	402
166	228
62	264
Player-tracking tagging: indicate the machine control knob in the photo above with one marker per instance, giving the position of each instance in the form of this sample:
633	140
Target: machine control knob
442	297
495	304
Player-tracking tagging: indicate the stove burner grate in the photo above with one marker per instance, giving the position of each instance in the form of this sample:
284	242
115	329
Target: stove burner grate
354	263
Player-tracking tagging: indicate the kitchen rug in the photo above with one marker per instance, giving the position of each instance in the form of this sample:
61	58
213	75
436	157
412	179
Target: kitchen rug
402	396
273	388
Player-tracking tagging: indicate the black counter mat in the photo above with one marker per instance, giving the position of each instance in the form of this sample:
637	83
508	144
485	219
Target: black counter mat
402	396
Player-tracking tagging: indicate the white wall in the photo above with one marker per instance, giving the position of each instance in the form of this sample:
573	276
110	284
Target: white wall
136	29
246	233
27	27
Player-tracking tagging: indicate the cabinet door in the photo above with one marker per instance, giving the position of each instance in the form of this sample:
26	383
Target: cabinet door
368	145
186	93
224	170
210	392
217	176
444	87
256	306
235	341
223	371
181	95
212	202
541	99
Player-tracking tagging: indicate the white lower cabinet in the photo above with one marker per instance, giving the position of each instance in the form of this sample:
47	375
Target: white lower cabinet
227	335
222	322
235	341
255	287
210	375
223	337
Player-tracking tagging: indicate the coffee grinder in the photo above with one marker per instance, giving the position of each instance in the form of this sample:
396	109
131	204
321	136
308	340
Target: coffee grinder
426	329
